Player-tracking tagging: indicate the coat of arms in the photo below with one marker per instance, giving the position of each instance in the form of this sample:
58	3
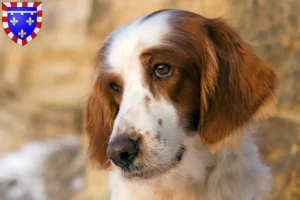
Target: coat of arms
22	21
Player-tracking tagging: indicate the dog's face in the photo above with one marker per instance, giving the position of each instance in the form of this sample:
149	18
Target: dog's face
167	78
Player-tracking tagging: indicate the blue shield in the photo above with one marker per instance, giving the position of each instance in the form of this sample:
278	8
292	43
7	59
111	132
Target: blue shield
22	21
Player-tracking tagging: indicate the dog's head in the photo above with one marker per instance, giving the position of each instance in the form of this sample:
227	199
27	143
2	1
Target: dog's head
168	77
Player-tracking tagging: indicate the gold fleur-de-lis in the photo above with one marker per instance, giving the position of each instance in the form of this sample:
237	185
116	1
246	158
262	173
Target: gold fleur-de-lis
29	21
14	21
22	33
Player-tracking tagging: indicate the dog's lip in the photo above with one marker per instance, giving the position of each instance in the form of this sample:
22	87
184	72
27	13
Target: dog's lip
140	171
145	174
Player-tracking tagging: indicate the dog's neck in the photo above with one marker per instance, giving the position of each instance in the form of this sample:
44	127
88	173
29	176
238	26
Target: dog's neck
201	175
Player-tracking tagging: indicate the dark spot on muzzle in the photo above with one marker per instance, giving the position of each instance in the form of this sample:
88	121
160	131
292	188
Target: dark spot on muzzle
180	153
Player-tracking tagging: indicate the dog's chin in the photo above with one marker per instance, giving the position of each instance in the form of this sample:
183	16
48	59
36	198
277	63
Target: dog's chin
145	174
142	171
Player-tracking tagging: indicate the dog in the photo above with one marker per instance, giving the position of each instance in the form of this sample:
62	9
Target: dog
171	108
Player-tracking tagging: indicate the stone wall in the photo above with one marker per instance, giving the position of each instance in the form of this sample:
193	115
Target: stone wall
44	84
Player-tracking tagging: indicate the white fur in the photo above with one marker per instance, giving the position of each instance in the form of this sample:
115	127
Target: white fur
232	175
123	57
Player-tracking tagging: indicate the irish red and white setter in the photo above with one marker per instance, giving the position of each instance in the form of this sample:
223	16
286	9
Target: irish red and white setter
169	114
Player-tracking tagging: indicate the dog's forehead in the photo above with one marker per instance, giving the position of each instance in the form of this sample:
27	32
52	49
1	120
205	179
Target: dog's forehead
129	41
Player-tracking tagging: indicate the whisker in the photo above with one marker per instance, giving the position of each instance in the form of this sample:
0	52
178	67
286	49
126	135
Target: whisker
104	143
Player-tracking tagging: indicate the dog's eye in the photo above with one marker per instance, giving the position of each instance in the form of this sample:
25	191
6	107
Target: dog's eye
162	70
114	86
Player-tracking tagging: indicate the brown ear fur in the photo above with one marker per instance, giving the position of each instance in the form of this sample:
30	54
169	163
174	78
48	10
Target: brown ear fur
243	85
99	117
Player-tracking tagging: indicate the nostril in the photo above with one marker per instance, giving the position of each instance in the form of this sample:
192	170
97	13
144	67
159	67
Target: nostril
123	151
125	156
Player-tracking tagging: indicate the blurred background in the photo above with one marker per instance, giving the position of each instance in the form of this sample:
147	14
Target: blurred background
44	85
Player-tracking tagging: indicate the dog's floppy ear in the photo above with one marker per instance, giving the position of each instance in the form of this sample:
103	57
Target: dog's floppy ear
243	85
99	117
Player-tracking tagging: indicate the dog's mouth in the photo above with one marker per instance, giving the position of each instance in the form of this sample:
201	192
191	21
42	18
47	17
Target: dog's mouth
146	169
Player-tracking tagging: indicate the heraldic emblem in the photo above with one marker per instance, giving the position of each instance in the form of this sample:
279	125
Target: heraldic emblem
22	21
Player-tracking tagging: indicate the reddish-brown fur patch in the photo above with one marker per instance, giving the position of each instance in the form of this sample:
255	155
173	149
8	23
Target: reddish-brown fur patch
180	88
234	83
217	84
100	111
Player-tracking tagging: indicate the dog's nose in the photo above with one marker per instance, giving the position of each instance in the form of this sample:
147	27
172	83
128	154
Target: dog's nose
123	151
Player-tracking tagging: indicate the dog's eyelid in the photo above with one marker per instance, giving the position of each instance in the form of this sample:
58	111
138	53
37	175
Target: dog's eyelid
114	86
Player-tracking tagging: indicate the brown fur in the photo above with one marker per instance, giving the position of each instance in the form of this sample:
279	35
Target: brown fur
234	82
100	112
180	88
217	84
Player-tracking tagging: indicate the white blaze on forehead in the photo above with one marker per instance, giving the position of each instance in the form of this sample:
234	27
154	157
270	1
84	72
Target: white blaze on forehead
129	41
125	46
